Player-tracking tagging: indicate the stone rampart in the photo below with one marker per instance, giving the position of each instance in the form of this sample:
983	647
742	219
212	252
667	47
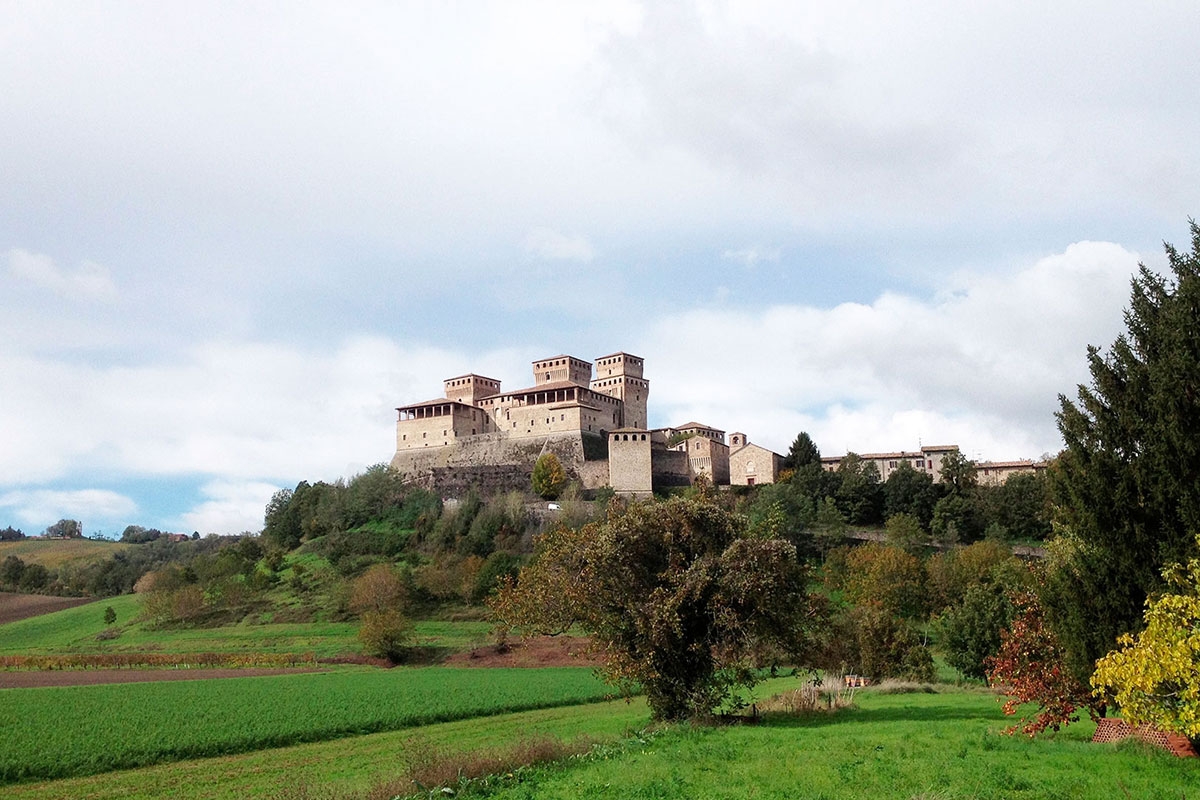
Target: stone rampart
496	462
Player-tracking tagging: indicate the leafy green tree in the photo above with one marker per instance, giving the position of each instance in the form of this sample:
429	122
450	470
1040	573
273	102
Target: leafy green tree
1021	506
859	494
907	491
904	531
549	477
952	573
1127	487
680	598
802	452
888	577
882	645
830	526
11	534
956	518
110	615
970	631
34	578
782	507
11	570
958	473
281	525
66	529
378	493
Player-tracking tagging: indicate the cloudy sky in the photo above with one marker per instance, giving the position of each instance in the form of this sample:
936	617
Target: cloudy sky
235	236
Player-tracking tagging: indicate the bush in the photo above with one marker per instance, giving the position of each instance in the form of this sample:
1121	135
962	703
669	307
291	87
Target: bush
549	477
970	631
887	576
889	647
384	634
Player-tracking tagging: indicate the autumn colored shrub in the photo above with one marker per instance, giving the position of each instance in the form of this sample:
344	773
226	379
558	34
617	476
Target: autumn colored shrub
1031	668
1155	676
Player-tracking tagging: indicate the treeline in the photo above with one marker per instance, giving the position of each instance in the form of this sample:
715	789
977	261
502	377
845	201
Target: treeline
116	574
956	509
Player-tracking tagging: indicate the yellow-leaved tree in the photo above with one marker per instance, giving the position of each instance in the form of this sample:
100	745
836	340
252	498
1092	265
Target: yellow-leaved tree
1155	676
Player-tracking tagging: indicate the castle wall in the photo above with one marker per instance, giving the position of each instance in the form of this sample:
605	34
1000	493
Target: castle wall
521	453
630	465
670	468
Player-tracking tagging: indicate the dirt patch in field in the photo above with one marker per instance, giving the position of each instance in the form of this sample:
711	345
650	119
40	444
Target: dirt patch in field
91	677
23	606
542	651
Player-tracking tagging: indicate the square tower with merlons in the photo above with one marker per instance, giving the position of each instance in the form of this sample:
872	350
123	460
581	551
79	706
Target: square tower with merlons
620	375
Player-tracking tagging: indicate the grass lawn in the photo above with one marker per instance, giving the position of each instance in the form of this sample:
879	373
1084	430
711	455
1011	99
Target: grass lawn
893	746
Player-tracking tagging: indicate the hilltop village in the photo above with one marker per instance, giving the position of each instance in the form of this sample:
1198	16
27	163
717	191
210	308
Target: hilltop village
593	417
594	420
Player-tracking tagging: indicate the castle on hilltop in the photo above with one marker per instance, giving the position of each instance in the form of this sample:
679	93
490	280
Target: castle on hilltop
478	434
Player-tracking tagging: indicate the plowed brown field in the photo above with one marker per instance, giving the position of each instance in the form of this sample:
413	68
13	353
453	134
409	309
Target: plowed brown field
22	606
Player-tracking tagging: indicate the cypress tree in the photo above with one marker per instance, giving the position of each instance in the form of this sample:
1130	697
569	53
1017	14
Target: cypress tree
1127	487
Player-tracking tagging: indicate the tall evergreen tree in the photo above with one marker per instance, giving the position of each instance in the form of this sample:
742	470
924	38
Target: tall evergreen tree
803	451
1127	487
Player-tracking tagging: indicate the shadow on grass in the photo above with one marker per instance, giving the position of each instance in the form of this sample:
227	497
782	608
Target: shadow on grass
948	712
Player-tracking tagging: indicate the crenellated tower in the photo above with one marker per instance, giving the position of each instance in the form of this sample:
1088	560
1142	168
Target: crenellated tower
620	375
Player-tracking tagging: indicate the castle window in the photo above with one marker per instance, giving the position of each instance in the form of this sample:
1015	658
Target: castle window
423	435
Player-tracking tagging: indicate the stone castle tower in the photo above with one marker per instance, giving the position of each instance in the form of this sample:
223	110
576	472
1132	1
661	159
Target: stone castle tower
620	375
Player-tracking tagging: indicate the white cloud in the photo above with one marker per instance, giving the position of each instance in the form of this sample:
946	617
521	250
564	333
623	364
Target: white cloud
93	507
231	507
89	281
980	366
554	246
751	257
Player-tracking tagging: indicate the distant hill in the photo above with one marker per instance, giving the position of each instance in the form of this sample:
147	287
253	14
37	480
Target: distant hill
53	553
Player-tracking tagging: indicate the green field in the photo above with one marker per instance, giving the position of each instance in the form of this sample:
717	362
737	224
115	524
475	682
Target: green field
891	747
89	729
74	630
901	747
350	764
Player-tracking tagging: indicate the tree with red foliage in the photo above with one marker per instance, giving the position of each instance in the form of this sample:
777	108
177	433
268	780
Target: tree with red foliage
1031	668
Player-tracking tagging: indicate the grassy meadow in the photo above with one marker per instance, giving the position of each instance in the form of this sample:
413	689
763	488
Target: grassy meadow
889	746
75	630
945	745
55	553
342	734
